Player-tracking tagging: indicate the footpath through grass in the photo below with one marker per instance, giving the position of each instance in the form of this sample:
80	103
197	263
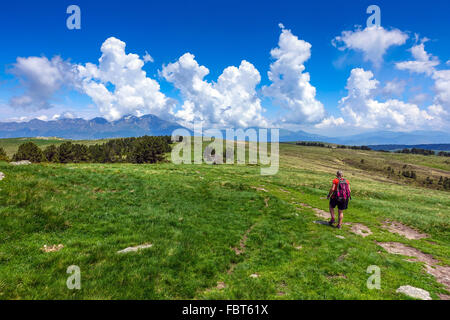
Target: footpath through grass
198	217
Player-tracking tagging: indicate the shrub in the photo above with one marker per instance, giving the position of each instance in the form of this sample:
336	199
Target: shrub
51	153
310	144
149	150
65	152
69	152
3	156
29	151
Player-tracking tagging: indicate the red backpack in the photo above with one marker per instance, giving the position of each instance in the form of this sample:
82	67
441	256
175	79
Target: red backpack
343	191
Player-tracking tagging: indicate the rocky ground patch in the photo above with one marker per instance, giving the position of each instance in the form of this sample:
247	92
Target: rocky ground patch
359	229
441	273
405	231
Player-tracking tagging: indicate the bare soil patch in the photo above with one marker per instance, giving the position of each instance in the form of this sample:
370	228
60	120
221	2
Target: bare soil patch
403	230
239	250
359	229
304	205
259	188
400	248
321	213
441	273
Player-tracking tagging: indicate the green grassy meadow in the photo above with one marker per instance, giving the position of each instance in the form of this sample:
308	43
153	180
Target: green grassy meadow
197	215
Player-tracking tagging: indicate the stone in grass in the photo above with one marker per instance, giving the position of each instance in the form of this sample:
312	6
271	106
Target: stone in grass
2	176
52	248
221	285
136	248
414	292
254	275
340	237
21	163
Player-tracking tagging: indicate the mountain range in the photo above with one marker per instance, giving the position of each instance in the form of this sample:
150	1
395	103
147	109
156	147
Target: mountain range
97	128
133	126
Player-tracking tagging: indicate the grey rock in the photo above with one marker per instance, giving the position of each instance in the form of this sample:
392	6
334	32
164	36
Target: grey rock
136	248
414	292
21	163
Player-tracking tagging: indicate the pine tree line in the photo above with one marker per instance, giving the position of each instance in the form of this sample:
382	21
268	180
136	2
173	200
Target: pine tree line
145	149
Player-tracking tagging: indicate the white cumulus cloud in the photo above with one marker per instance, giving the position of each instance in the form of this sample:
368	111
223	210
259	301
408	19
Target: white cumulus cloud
361	110
230	101
41	78
330	122
147	57
290	85
423	62
373	42
394	88
119	86
441	106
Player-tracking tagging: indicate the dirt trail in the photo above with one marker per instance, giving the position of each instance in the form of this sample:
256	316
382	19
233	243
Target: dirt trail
239	250
356	228
359	229
441	273
403	230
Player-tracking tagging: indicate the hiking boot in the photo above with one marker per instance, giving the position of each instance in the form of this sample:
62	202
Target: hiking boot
331	222
339	226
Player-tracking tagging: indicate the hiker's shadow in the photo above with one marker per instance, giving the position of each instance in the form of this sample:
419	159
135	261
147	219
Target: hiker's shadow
325	223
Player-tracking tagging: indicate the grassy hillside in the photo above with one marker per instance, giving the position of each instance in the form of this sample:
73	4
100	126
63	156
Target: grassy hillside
218	232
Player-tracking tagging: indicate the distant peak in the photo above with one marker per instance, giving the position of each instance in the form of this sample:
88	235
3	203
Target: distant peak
99	120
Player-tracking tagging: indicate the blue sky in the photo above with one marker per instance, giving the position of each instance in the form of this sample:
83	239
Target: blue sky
223	33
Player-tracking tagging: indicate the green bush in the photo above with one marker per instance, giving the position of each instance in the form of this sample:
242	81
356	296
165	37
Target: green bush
29	151
3	156
149	150
145	149
69	152
51	153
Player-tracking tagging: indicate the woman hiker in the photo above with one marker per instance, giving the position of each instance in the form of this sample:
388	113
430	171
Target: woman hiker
339	195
